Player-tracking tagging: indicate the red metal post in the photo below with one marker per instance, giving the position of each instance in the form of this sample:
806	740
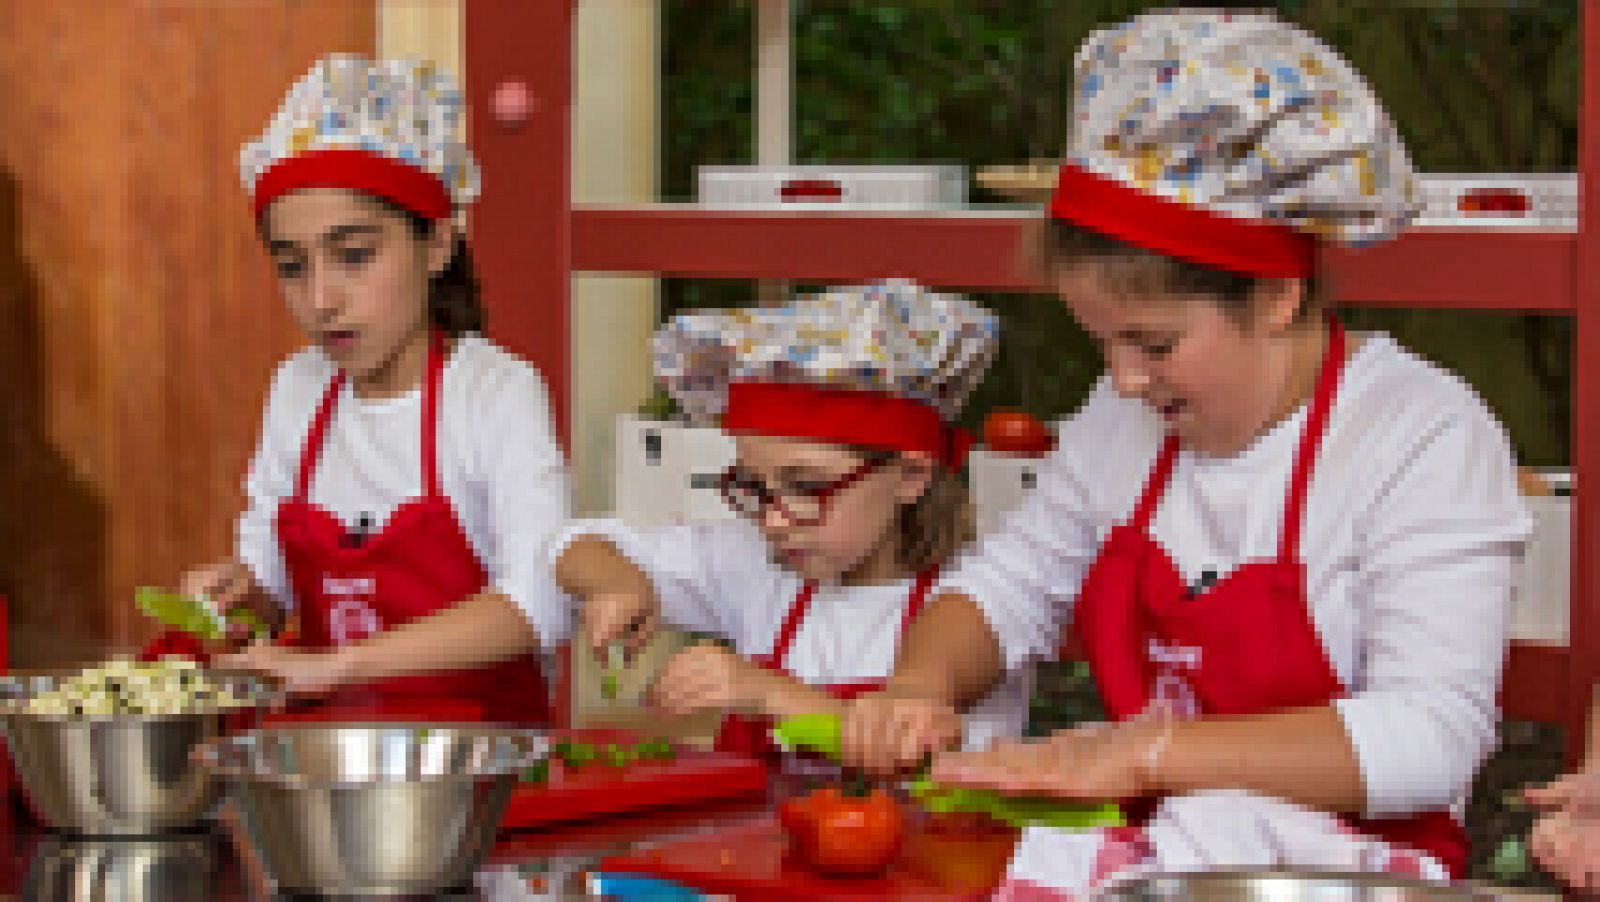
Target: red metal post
519	87
1585	641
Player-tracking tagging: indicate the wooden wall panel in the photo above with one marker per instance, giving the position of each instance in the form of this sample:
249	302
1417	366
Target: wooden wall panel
138	321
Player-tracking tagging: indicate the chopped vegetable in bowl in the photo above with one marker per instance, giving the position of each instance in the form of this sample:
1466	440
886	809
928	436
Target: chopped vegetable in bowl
121	686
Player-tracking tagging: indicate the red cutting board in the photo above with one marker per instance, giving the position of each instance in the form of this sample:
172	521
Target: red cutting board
599	790
752	861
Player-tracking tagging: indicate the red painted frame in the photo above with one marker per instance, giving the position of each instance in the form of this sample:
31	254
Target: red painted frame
530	241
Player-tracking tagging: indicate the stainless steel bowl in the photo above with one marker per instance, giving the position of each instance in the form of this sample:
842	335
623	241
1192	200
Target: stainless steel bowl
1288	886
372	809
176	869
116	775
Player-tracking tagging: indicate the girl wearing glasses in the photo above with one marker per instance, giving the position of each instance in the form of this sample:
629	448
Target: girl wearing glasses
848	484
1286	550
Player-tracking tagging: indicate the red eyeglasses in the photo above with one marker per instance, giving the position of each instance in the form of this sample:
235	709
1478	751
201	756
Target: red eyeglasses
801	505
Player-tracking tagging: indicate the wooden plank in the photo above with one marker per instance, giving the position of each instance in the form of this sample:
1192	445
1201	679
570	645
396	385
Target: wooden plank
1468	270
141	322
957	250
58	246
521	225
1585	636
1493	270
1535	682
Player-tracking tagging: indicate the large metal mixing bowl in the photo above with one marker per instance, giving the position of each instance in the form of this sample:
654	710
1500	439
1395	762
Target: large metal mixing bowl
379	809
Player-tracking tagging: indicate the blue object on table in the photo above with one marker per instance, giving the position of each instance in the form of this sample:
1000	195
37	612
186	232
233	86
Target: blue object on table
625	887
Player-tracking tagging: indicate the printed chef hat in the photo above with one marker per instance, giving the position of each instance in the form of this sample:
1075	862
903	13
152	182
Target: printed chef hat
390	128
1234	140
887	366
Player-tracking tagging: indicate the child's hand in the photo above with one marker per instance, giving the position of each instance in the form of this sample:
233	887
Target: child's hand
1567	844
302	672
227	585
1578	790
1099	763
626	617
893	730
708	676
1566	840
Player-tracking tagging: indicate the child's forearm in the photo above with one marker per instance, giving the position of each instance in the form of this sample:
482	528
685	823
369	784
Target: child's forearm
781	696
484	629
592	565
949	653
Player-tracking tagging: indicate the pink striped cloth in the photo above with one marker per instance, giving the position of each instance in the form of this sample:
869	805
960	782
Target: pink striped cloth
1204	831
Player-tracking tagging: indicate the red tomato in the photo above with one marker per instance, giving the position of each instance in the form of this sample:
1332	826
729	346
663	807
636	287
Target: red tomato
1015	432
847	836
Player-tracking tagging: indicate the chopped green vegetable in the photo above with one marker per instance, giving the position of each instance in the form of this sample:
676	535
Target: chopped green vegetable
1019	811
609	680
619	755
657	749
576	754
1510	860
538	773
192	615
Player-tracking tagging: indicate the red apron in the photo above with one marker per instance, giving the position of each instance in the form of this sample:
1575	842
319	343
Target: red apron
751	736
1246	645
419	563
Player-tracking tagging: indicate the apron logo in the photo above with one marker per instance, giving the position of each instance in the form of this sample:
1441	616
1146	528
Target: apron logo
1171	692
350	618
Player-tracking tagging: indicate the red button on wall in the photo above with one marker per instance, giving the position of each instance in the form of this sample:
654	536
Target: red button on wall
511	103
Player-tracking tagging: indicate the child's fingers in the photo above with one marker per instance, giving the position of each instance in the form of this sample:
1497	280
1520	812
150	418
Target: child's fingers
922	739
686	696
681	682
638	633
607	616
1554	794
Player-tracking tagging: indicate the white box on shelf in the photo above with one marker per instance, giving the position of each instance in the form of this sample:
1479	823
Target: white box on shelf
666	471
1541	599
702	455
999	483
833	187
1547	200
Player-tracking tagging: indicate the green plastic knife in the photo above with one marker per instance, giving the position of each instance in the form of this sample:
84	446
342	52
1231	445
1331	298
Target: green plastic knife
823	734
192	615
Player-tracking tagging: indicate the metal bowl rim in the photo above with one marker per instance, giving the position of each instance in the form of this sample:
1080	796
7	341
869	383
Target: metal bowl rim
205	755
1346	878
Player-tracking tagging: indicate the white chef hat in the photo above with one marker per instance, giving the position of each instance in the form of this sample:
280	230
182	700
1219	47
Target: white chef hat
887	365
1234	140
391	128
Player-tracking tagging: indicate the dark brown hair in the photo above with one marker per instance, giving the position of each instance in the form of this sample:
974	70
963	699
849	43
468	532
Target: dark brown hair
1062	245
933	528
455	305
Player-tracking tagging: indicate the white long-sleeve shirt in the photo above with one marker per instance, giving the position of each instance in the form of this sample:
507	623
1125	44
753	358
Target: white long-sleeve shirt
720	578
499	464
1413	529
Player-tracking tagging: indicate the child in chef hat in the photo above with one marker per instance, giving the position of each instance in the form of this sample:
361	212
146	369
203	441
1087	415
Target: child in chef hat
407	475
1286	550
849	490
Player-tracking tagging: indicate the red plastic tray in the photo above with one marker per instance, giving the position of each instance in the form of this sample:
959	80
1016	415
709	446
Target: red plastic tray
598	790
753	861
